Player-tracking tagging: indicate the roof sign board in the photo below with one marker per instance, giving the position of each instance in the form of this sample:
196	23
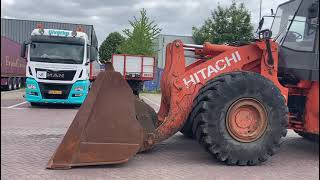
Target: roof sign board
60	33
53	32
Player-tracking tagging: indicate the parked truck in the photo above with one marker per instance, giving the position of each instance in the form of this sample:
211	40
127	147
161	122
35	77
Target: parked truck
61	65
13	67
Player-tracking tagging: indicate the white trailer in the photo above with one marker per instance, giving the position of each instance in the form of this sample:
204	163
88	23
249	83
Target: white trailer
135	69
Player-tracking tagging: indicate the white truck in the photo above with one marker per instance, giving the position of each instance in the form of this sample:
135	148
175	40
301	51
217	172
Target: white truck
61	64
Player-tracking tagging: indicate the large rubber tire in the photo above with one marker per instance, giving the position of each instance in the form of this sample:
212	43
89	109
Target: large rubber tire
210	111
309	136
187	129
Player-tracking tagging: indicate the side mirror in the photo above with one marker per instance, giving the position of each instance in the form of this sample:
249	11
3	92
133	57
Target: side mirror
23	49
93	53
261	23
272	13
313	11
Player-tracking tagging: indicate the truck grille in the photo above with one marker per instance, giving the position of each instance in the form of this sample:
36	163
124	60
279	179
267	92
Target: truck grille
45	88
66	75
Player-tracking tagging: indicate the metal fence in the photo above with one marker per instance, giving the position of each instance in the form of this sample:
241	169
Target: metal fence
154	85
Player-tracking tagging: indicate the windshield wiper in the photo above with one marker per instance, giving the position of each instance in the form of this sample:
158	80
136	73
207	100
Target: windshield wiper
41	59
72	60
55	60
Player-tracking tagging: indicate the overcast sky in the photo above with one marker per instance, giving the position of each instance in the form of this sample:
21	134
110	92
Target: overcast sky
174	16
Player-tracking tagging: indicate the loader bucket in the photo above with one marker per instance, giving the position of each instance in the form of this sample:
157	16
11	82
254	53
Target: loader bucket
105	130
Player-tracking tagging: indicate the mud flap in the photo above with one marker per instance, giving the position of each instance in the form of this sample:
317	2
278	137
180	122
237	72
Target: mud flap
105	130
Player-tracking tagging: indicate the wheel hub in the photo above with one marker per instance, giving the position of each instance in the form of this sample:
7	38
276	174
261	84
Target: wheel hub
246	120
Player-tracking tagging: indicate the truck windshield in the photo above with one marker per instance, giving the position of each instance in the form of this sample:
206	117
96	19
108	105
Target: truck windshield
282	19
57	53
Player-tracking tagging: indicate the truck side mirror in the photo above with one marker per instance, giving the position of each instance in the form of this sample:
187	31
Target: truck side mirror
93	53
313	11
23	49
272	13
261	23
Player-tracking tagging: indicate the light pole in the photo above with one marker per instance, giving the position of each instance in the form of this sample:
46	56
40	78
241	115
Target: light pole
260	10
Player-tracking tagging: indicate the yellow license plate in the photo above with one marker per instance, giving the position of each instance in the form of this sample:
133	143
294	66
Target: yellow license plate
55	92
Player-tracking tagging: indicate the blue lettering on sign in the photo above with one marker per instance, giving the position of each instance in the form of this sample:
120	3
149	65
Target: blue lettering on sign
58	33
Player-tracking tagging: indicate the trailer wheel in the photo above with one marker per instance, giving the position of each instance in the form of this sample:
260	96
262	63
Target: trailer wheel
136	86
14	83
9	85
240	117
18	83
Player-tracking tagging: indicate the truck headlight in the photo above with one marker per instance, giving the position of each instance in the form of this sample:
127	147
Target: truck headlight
31	86
79	88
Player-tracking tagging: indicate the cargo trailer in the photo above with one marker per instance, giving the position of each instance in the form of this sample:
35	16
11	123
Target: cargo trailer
13	67
136	69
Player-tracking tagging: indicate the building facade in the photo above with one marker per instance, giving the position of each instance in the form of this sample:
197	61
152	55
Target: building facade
161	42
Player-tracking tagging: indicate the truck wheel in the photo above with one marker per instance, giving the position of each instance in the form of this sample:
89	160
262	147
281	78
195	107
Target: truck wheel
240	118
35	104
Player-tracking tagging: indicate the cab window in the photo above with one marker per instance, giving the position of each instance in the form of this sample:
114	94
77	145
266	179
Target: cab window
301	34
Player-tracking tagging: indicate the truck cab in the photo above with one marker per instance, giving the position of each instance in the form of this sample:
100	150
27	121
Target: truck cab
60	66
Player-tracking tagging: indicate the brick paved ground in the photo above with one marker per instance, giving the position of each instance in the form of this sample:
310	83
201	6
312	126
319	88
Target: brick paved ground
29	136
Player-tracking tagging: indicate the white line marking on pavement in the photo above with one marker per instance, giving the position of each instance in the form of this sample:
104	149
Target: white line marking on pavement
17	105
13	108
150	101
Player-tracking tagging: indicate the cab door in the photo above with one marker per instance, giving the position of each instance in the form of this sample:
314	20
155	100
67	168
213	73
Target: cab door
299	48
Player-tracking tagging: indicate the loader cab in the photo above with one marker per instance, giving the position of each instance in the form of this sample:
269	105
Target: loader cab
296	29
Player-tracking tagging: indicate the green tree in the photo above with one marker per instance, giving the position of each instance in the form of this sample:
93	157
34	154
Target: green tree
110	45
226	25
139	40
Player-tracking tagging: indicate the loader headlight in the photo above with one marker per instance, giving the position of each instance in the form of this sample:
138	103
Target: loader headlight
79	88
31	86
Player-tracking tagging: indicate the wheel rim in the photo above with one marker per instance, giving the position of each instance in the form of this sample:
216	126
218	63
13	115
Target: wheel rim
246	120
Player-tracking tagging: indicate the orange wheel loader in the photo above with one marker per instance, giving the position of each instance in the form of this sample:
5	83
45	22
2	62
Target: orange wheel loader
237	100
